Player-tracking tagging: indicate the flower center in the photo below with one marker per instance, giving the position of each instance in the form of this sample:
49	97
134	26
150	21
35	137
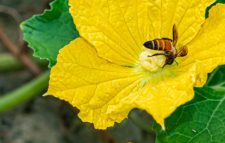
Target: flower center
152	64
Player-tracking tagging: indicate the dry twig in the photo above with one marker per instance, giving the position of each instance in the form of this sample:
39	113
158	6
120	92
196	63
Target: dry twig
25	59
16	16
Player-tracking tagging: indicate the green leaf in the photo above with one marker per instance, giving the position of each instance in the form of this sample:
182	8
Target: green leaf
216	80
207	10
46	34
203	119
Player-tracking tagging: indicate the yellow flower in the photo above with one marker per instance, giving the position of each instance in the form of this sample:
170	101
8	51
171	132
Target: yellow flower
107	71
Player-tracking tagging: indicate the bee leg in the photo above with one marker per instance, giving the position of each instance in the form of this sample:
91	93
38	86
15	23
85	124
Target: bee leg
164	65
157	54
160	54
166	62
176	62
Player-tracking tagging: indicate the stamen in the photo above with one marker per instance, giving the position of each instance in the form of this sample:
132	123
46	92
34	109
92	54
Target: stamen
151	63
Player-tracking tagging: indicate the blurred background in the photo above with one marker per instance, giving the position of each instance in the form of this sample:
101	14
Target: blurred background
32	118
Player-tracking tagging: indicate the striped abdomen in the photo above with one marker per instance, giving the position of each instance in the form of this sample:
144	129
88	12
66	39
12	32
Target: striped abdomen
159	44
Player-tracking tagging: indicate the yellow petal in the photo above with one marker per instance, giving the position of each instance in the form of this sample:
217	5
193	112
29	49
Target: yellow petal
118	28
103	91
188	17
207	50
162	98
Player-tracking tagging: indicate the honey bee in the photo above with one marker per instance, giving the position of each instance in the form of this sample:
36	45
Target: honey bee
168	46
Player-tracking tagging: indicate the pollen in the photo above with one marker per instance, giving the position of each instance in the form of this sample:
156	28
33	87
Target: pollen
152	64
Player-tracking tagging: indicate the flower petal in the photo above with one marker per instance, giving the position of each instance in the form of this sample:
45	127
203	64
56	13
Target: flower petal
205	53
162	98
207	50
118	28
188	15
99	89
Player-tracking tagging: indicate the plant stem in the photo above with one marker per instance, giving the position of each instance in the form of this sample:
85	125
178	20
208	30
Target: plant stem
10	63
24	93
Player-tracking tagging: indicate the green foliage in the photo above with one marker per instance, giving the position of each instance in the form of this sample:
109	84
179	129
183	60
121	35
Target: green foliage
207	10
203	119
51	31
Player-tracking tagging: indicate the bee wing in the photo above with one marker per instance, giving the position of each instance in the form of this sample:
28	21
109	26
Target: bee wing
175	35
183	51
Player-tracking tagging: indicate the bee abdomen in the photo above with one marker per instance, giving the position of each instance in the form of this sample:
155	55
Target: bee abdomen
158	44
149	44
